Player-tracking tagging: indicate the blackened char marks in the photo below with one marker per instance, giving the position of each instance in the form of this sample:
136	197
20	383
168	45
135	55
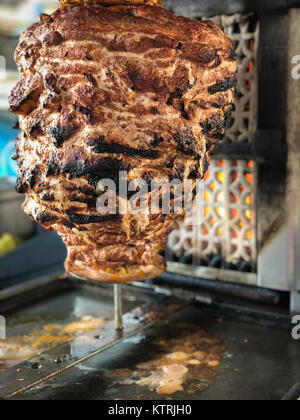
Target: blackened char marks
83	110
80	219
86	190
170	165
32	181
101	147
214	127
79	166
186	141
194	174
229	83
61	133
53	167
154	110
47	197
44	217
20	186
51	83
209	145
227	114
156	140
65	222
35	128
94	178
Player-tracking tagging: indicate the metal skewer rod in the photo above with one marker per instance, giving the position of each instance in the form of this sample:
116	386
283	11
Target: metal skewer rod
118	307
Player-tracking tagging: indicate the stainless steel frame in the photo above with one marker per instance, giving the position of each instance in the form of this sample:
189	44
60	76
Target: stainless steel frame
293	139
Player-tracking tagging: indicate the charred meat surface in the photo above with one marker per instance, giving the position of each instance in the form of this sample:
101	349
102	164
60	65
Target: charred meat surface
110	89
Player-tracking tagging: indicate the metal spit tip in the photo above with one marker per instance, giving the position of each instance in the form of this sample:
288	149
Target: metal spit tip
118	307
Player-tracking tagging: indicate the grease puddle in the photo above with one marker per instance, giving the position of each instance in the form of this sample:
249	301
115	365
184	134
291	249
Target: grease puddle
188	362
24	347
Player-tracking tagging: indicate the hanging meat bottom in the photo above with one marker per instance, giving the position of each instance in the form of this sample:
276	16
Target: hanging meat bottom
110	90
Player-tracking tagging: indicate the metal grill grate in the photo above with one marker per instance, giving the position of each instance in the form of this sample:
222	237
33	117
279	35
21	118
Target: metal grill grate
244	32
226	238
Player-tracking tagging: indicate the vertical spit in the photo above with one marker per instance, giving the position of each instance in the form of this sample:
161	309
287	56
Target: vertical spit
118	307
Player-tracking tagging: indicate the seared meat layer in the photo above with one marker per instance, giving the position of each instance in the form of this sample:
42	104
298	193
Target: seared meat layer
110	89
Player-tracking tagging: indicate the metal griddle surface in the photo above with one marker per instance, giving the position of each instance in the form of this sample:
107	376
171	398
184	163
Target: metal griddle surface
259	363
66	303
